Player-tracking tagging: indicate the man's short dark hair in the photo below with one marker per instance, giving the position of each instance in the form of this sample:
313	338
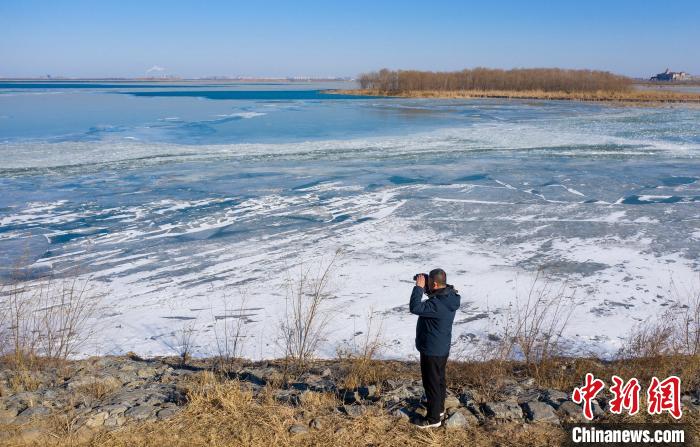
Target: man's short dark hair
438	276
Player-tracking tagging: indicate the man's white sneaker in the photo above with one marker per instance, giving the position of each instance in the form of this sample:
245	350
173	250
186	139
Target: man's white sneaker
424	423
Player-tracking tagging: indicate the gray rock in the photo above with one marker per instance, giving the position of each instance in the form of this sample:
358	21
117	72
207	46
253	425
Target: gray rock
22	401
96	420
598	410
299	386
152	394
326	372
528	383
401	413
468	395
456	420
315	424
146	373
503	411
114	421
474	409
114	409
79	382
32	413
402	392
540	412
468	415
140	412
367	392
129	367
392	384
571	410
512	389
528	396
7	416
290	397
167	413
353	410
298	428
451	402
555	397
350	396
320	384
50	394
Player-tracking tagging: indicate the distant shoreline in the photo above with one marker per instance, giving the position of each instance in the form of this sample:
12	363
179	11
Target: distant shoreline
174	80
621	97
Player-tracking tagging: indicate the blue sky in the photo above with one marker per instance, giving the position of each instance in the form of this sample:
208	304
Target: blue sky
305	38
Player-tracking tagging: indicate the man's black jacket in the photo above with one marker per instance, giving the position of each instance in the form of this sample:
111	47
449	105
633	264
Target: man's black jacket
435	317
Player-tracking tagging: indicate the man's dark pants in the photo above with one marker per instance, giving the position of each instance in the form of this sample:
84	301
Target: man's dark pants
432	370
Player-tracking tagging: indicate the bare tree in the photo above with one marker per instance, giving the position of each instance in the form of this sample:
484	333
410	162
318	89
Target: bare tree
535	324
307	314
63	317
687	336
229	331
182	341
51	319
650	338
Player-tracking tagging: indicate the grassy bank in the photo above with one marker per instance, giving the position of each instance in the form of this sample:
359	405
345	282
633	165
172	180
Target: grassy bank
622	97
263	403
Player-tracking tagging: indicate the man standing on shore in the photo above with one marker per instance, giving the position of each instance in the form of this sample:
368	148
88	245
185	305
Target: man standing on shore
433	338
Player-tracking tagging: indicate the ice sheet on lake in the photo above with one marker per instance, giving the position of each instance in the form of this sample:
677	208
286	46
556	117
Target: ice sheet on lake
604	200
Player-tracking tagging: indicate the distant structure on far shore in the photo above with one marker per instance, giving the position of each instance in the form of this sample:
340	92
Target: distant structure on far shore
669	75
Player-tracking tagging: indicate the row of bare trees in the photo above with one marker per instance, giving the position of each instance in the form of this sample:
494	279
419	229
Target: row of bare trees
519	79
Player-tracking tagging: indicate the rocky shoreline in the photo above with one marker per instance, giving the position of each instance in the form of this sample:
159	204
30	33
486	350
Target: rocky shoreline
109	393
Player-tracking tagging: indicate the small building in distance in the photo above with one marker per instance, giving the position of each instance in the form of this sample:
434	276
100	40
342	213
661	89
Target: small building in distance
669	75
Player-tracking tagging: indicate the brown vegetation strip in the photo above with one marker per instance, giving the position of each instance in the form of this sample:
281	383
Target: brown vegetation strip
631	96
519	79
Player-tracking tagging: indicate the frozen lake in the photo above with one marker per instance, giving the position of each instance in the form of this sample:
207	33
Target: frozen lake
174	198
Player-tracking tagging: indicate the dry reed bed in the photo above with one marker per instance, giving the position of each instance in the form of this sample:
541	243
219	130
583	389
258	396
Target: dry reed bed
626	96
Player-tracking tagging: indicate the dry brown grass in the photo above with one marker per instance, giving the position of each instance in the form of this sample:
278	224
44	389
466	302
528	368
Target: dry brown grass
622	96
96	389
357	372
359	357
225	414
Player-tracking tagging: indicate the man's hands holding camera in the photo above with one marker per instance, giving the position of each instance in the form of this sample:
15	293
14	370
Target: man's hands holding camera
420	281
